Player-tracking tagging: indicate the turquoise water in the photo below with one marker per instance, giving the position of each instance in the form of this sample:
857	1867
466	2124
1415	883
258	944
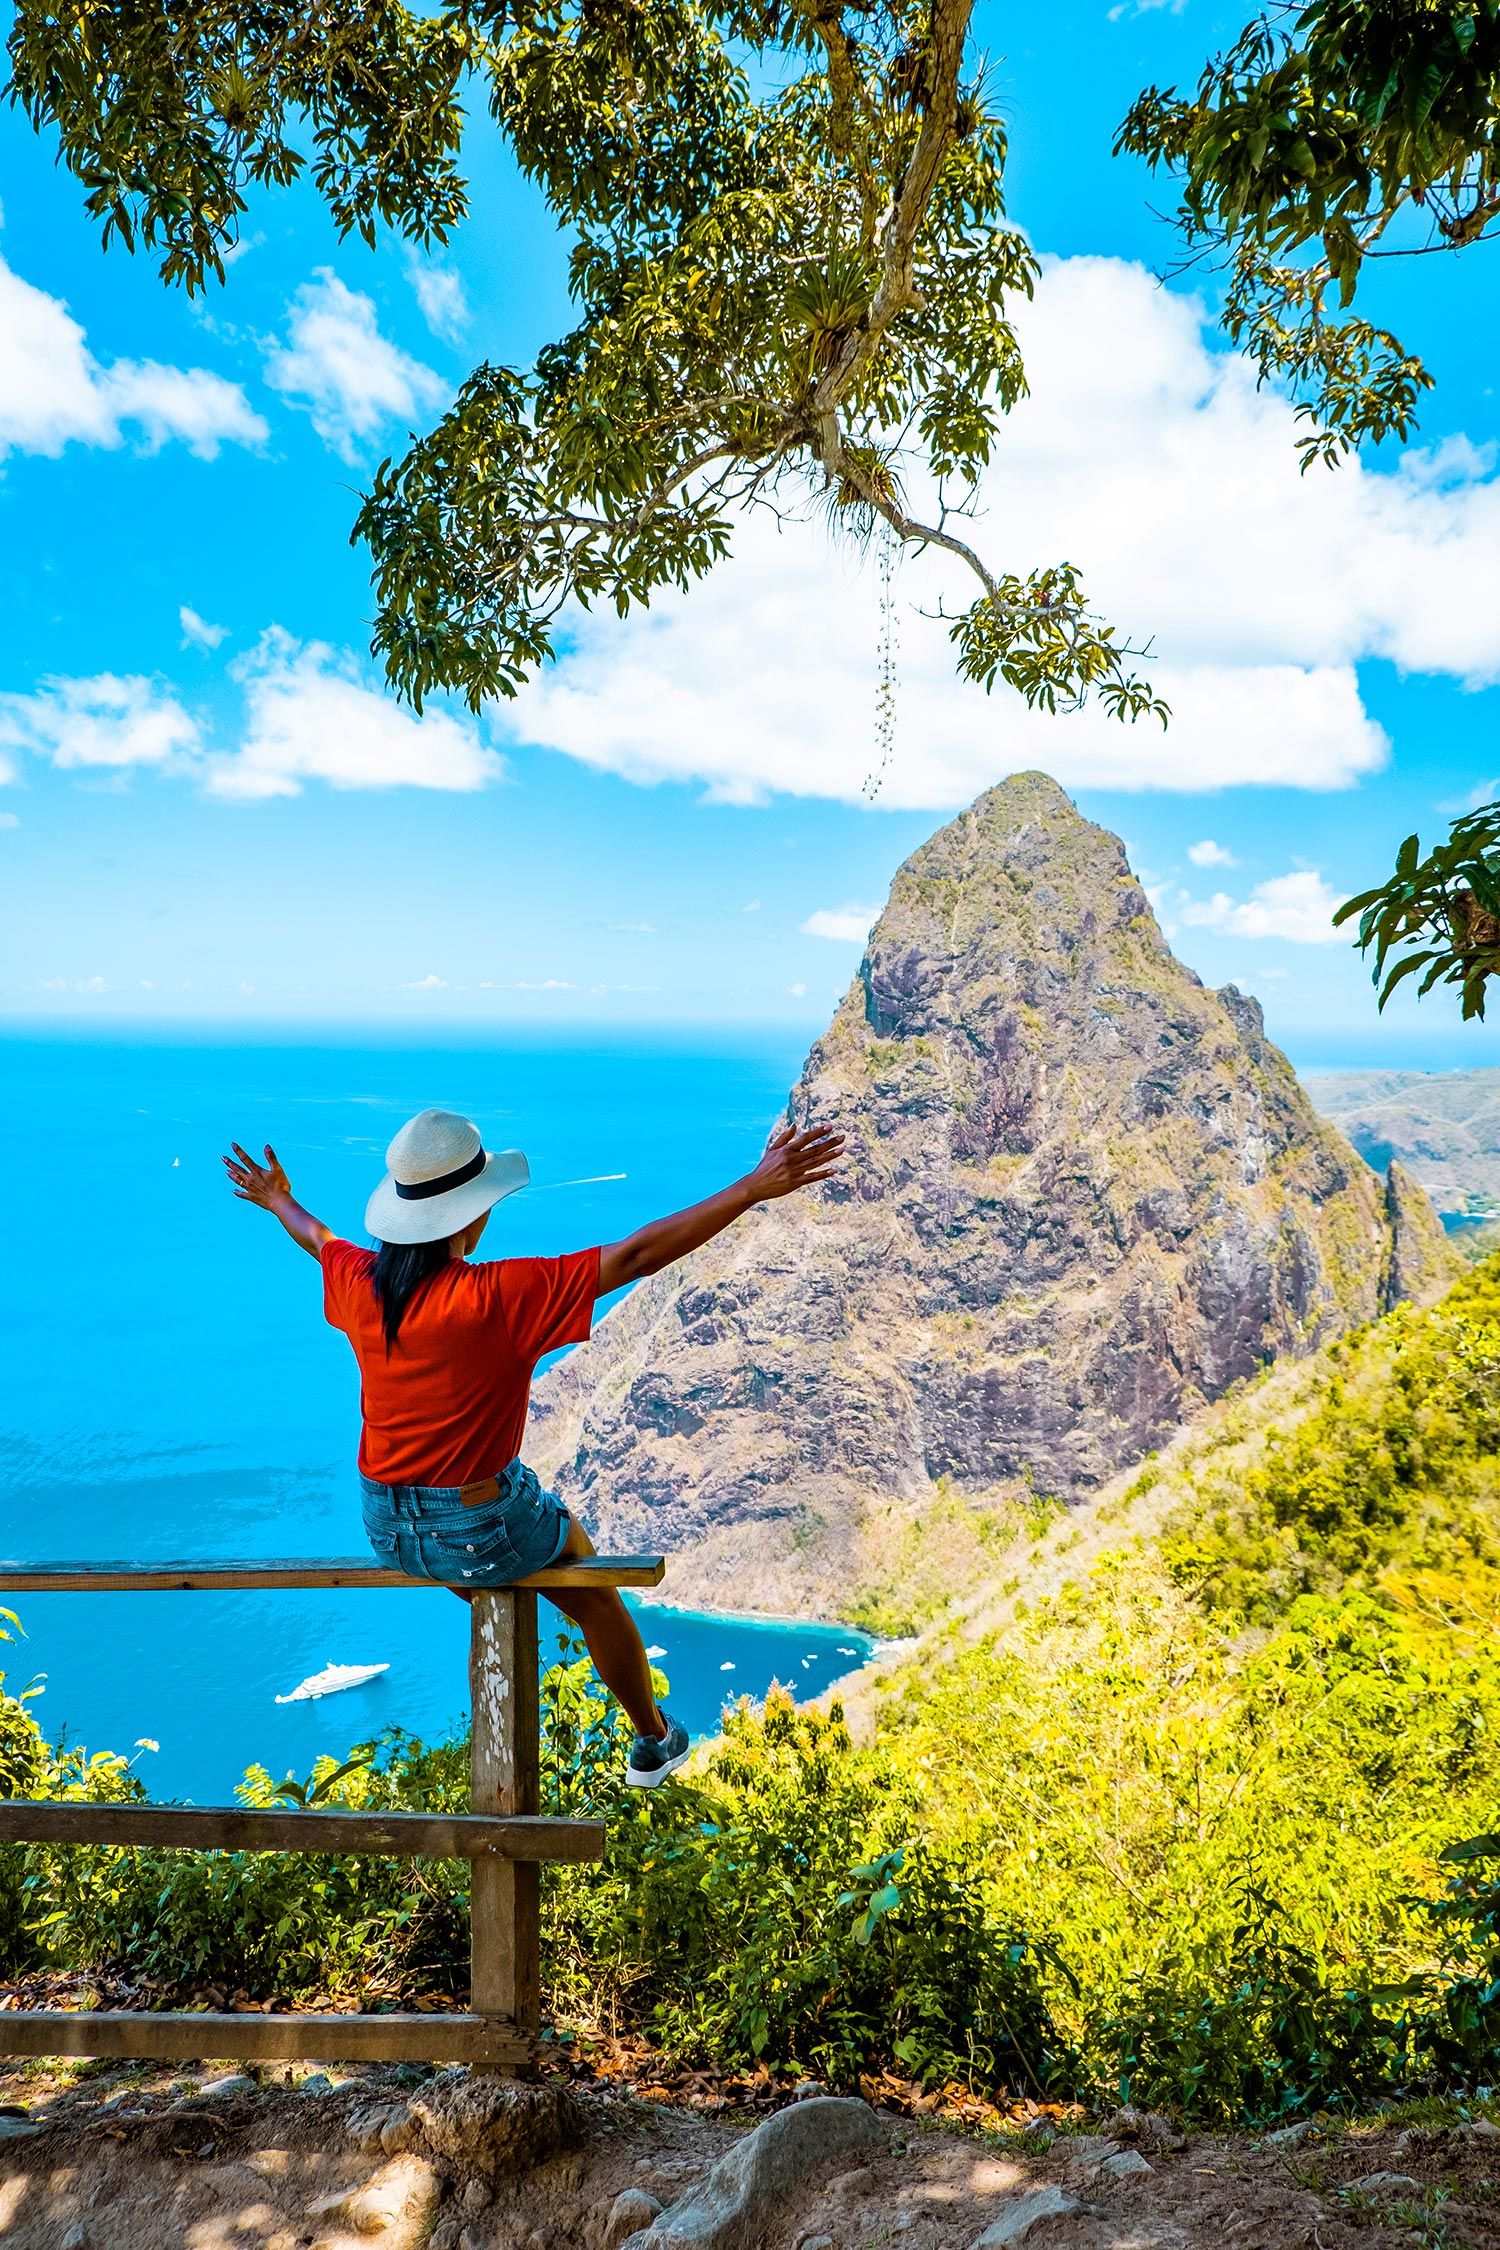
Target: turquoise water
171	1390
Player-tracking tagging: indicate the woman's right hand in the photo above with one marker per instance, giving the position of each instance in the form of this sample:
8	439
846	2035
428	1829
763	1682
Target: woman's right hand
796	1159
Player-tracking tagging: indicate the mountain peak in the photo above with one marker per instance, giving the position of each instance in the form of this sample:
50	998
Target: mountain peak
1082	1195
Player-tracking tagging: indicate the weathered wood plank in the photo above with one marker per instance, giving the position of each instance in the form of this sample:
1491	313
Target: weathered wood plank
401	1835
229	1577
504	1896
253	2038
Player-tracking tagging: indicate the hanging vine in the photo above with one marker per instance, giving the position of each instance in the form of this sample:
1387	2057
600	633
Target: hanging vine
885	666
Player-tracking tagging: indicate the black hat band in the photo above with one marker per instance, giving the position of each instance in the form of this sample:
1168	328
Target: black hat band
419	1190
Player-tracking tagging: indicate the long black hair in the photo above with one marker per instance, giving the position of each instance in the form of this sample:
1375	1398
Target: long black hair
401	1268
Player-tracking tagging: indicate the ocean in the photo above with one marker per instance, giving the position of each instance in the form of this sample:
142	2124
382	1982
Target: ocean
171	1390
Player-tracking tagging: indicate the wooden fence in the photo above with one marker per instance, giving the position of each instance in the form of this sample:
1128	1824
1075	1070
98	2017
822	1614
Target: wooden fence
503	1836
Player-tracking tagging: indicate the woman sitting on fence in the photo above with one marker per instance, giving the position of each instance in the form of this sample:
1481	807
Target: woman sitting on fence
446	1352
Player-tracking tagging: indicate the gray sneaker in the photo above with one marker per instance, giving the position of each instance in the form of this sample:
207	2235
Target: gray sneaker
652	1759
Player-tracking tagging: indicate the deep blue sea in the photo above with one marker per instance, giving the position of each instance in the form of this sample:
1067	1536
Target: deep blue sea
171	1390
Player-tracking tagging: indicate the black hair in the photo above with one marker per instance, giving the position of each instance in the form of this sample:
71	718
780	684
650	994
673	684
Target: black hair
401	1268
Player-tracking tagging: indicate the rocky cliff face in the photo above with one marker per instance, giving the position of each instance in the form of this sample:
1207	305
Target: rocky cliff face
1083	1194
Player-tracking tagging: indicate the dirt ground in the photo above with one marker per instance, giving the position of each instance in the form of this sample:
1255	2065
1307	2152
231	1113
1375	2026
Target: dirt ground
135	2157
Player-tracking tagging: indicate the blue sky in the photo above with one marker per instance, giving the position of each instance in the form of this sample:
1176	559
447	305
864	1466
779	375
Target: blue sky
212	814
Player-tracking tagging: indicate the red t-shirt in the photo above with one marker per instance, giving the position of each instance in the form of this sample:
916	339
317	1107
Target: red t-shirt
447	1403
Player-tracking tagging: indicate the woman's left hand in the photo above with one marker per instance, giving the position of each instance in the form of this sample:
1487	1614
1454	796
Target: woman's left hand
265	1184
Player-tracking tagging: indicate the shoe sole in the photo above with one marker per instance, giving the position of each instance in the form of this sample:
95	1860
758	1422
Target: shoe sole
636	1778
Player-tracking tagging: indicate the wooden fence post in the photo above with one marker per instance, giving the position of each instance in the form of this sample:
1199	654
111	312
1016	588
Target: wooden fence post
504	1896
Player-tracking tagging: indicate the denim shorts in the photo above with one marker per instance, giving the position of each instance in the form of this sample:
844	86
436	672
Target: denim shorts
425	1530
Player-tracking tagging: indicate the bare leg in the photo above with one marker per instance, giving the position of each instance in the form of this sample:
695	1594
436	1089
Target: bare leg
610	1634
612	1638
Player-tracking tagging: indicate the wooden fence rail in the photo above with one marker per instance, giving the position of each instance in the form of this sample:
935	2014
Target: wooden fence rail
503	1836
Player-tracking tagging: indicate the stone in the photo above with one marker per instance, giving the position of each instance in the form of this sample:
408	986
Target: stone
1288	2136
747	2189
1081	1194
476	2197
405	2192
17	2129
1122	2164
809	2090
817	2242
399	2132
1148	2128
366	2125
1016	2221
1381	2186
632	2211
225	2089
316	2082
1082	2152
494	2126
1479	2129
76	2238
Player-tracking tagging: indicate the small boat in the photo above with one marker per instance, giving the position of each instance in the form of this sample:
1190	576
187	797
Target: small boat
331	1679
655	1650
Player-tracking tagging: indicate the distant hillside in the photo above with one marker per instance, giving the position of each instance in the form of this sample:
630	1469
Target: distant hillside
1444	1126
1083	1196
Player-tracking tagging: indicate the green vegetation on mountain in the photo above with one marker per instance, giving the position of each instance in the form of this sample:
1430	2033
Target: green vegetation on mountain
1197	1821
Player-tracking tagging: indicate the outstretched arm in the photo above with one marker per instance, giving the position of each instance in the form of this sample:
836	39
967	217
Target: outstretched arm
792	1160
268	1185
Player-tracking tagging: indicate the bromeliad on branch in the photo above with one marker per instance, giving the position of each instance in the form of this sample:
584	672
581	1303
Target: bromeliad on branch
780	295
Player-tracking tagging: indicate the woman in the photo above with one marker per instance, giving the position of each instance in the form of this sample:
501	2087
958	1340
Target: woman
446	1352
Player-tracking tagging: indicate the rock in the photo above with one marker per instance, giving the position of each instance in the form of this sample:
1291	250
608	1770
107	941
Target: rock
748	2188
476	2197
445	2234
809	2090
17	2129
1288	2136
225	2089
1148	2128
76	2238
1084	2152
1081	1195
1381	2186
399	2132
1122	2164
405	2192
1479	2129
494	2125
316	2082
632	2211
1017	2219
817	2242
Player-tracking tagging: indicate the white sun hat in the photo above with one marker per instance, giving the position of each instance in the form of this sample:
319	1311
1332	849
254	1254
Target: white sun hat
440	1178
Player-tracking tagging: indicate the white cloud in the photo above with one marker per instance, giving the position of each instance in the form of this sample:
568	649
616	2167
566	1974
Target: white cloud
1297	907
197	631
797	991
53	984
311	714
429	983
245	987
850	924
440	294
1150	460
1210	854
633	929
54	392
529	984
109	720
751	906
337	365
93	984
9	820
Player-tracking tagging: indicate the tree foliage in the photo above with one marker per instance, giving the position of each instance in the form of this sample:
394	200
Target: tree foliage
1439	916
789	260
1325	137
